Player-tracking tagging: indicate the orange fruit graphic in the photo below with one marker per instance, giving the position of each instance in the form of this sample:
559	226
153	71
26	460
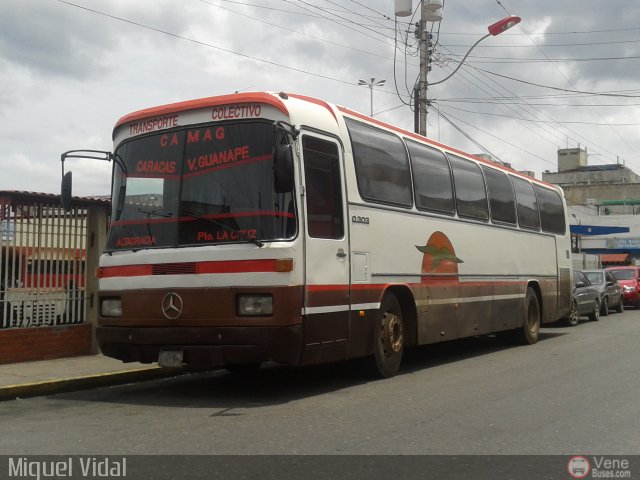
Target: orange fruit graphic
439	255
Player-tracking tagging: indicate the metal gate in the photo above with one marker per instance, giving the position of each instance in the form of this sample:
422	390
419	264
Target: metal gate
42	263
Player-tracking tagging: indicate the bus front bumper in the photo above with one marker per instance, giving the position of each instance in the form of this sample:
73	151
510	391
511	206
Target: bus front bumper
203	346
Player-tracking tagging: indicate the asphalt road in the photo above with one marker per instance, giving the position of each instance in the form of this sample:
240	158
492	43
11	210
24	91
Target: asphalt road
576	391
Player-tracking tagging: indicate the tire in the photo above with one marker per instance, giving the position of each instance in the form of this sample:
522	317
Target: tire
389	338
620	307
604	309
574	318
594	316
530	331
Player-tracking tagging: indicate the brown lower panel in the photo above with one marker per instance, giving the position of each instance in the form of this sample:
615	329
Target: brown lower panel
204	307
325	337
203	346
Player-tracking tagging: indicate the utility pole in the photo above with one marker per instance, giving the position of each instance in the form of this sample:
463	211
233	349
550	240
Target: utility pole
425	60
430	11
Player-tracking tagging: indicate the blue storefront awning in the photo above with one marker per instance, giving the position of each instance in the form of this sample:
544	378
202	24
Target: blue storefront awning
596	229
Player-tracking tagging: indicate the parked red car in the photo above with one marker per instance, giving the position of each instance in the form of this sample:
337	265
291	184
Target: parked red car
628	279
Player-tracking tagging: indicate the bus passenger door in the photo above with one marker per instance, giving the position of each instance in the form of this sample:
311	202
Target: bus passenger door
326	254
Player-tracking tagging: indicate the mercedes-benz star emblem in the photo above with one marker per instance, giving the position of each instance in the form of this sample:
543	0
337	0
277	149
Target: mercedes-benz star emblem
172	305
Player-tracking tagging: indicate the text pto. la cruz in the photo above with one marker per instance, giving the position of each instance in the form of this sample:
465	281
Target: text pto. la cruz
71	467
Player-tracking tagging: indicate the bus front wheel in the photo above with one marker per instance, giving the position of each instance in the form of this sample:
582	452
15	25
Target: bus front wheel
389	337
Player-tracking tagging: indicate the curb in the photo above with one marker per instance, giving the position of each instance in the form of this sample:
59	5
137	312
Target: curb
48	387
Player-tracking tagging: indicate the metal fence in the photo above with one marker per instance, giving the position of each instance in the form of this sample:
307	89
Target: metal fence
42	263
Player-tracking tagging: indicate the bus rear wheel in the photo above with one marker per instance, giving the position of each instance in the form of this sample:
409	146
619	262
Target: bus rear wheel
389	337
530	331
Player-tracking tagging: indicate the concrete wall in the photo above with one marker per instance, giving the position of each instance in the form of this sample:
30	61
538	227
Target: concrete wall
617	176
579	194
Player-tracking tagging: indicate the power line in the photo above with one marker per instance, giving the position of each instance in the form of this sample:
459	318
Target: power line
551	130
621	137
575	32
590	44
295	31
552	120
353	12
484	59
505	102
347	20
294	12
561	122
209	45
519	80
469	137
545	130
498	138
375	11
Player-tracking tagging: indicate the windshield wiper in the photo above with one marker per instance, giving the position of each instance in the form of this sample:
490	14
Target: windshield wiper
240	233
157	214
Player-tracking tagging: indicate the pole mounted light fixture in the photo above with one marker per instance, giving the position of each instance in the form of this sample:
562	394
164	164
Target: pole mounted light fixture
371	84
494	29
503	25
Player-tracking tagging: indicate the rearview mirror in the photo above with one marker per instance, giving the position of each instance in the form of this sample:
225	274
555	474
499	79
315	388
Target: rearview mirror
283	169
65	191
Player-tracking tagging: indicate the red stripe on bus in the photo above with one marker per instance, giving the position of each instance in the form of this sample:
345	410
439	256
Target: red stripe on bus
125	271
237	266
228	266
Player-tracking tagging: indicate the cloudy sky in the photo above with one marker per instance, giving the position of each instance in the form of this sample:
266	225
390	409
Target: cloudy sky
566	76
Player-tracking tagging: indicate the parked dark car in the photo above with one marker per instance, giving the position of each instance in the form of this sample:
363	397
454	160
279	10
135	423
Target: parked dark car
627	277
586	299
610	290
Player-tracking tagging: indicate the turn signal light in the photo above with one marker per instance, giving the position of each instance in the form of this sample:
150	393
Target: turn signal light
284	265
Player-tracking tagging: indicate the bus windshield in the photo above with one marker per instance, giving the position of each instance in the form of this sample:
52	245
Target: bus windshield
209	184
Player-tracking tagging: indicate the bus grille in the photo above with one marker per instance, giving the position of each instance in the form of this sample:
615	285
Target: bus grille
174	268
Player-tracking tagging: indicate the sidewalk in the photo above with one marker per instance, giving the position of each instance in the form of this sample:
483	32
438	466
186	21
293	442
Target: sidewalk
47	377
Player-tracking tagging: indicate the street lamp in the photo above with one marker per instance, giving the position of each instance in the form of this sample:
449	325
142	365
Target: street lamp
371	84
494	29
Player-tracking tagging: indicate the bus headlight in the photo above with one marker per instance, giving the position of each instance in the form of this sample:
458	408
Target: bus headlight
255	305
111	307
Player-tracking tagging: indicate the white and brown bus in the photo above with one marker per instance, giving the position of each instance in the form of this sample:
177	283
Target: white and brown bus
276	227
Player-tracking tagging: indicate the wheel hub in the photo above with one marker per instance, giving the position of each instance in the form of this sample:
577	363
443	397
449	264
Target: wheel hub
393	334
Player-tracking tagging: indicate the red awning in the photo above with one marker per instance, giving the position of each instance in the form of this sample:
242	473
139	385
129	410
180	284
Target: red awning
614	257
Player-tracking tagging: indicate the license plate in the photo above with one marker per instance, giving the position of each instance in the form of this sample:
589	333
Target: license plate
170	359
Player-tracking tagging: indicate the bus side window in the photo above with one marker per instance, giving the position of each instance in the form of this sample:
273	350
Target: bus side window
551	210
431	179
382	165
528	215
471	195
501	197
323	188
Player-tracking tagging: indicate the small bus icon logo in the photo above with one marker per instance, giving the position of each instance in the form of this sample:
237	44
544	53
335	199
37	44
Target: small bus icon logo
578	467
